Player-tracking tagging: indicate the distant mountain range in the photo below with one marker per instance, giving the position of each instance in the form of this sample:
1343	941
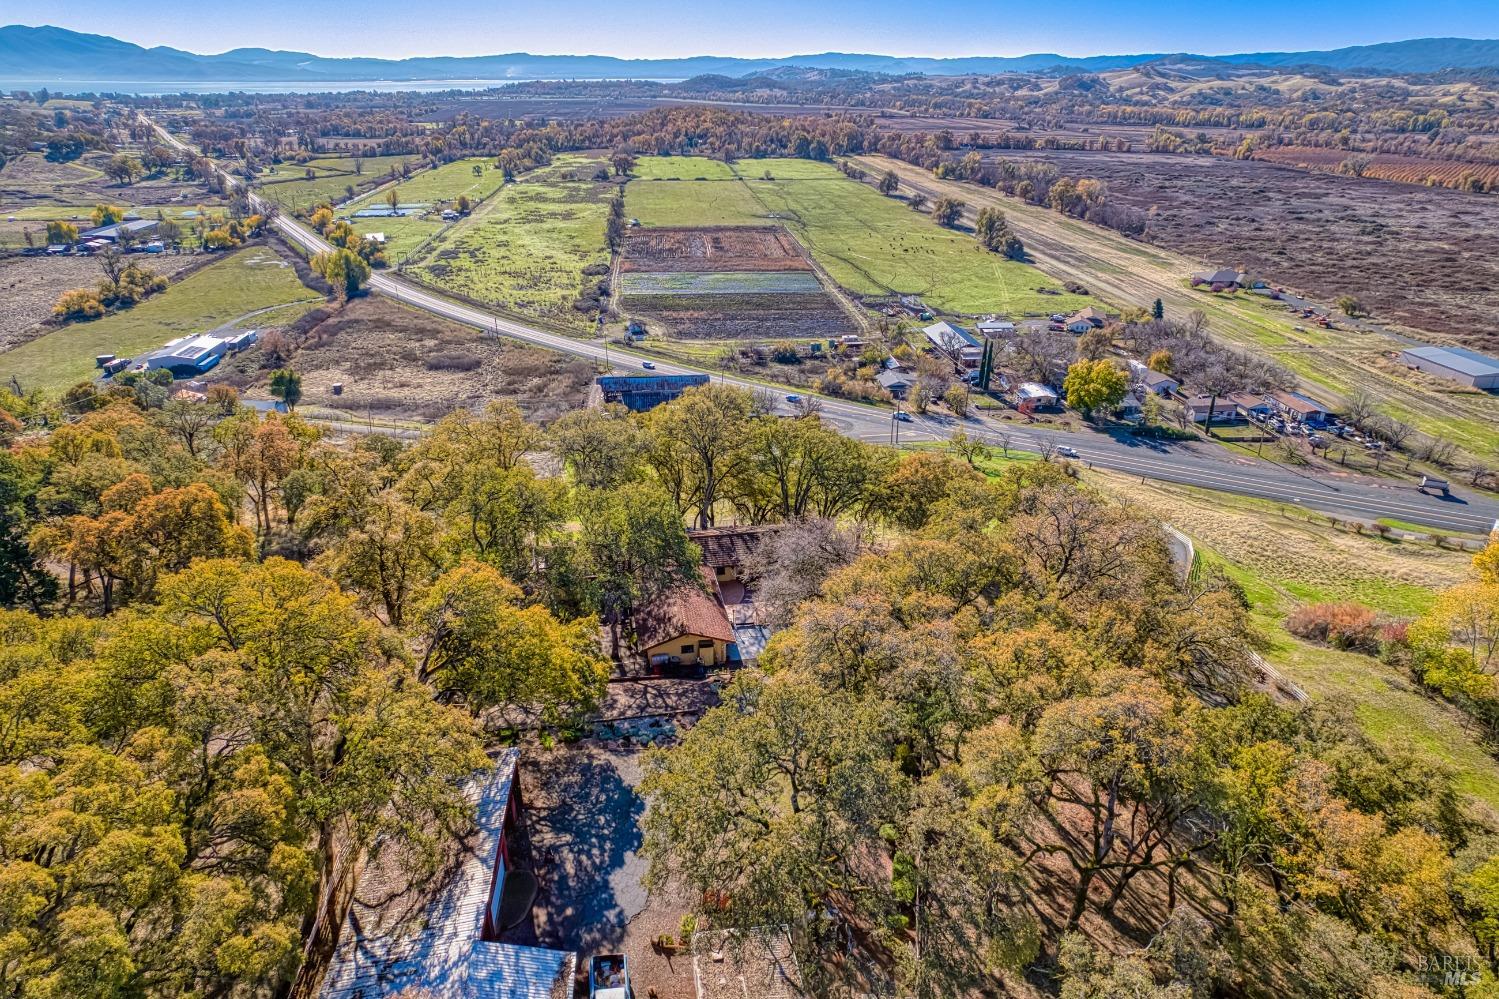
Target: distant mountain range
49	53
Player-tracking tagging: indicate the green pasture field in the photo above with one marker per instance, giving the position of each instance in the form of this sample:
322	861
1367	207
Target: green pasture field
524	250
402	235
681	168
373	166
225	292
445	183
719	283
869	244
300	195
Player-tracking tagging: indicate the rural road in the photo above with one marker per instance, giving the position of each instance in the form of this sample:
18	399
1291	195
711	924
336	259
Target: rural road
1190	463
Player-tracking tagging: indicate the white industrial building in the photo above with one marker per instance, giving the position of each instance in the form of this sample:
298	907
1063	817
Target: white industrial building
196	353
1467	367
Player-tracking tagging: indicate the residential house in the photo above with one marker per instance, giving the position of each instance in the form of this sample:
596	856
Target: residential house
1084	320
896	381
638	393
848	343
1251	405
1301	408
1152	381
1224	409
688	626
1133	405
956	343
726	552
1031	396
409	931
1222	279
1466	367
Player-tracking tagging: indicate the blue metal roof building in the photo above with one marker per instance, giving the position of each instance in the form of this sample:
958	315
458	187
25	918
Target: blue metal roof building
638	393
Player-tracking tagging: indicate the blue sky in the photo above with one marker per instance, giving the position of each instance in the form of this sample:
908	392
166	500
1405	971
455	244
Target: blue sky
655	28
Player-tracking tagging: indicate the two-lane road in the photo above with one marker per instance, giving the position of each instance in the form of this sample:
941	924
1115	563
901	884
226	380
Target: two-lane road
1194	464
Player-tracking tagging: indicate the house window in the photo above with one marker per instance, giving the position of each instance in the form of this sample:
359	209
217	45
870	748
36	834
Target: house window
687	649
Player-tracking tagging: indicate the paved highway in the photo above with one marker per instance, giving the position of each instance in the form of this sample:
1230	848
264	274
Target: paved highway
1190	463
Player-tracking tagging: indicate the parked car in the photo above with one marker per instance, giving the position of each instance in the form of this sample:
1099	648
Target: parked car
648	365
609	977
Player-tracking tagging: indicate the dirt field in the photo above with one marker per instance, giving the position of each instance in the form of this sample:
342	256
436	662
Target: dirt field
395	362
742	248
729	283
30	285
1381	166
34	180
1426	258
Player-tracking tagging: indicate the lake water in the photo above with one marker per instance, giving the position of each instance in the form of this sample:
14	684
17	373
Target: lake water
151	88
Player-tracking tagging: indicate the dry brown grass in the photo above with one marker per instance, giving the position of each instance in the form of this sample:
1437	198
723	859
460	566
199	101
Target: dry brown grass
381	352
1298	555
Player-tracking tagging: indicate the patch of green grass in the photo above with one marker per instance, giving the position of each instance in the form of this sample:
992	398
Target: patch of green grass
244	281
445	183
1391	709
691	203
369	166
402	235
681	168
300	195
525	249
783	169
869	244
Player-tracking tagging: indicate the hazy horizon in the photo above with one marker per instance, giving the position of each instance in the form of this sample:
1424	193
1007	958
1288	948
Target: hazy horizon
661	29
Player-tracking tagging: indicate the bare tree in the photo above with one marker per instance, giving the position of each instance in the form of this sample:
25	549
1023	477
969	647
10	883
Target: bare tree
790	565
763	403
808	405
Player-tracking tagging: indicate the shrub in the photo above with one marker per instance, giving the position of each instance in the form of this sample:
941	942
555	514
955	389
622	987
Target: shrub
452	360
1343	626
78	303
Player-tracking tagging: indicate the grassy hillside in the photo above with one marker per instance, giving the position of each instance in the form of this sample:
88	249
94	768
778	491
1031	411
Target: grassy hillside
1285	557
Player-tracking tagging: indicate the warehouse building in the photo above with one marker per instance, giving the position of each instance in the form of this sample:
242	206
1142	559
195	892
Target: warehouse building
1467	367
